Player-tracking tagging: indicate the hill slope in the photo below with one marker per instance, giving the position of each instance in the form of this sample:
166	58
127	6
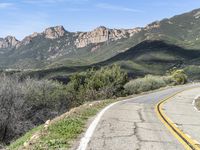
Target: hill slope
57	47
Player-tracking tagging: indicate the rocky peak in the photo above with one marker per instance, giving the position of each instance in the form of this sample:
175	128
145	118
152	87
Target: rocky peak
100	29
8	42
153	25
54	32
197	14
103	34
28	39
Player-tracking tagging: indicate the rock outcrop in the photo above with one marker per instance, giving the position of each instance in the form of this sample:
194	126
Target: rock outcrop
103	34
54	32
81	39
28	39
153	25
8	42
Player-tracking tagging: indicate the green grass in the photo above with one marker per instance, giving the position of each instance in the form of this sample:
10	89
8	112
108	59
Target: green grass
19	142
61	133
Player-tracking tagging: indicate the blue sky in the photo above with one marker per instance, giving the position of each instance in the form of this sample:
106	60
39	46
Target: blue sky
23	17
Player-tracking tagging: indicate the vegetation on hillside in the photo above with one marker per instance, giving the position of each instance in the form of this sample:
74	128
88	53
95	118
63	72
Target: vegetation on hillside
192	71
150	82
41	52
147	83
25	104
31	102
148	57
97	84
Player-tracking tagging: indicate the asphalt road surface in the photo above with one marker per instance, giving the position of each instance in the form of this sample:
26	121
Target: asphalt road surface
133	125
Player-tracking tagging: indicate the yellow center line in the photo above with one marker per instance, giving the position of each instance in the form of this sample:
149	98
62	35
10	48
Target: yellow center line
187	142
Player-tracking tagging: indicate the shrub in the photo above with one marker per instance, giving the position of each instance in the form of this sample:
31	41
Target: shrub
44	93
27	103
147	83
97	84
179	76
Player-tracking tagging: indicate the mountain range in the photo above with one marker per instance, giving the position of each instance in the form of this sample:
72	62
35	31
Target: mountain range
155	48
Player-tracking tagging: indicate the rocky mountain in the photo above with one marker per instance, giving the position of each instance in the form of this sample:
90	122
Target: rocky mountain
103	34
55	44
56	47
8	42
83	39
54	32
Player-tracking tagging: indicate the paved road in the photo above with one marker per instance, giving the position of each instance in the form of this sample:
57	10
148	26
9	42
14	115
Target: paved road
184	115
133	125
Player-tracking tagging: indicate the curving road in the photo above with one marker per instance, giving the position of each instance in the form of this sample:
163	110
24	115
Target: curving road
133	125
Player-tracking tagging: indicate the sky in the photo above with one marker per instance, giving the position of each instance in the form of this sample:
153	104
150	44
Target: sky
20	18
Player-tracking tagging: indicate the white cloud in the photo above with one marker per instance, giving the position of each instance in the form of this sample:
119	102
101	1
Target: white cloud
5	5
116	8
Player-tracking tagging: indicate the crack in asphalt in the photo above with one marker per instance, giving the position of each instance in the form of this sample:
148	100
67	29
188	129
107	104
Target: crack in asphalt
149	129
140	115
137	136
136	127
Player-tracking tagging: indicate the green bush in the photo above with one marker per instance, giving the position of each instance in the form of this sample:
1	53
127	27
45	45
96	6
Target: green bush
179	76
27	103
192	72
147	83
97	84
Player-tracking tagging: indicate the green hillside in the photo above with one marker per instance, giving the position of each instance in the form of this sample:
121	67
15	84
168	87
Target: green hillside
153	49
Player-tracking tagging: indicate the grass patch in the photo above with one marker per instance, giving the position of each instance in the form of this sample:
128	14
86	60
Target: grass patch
63	131
19	142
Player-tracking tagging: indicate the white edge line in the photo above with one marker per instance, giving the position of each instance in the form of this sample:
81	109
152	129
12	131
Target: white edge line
86	139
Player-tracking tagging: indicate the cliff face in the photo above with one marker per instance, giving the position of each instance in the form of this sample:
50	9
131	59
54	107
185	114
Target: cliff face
55	42
54	32
82	39
8	42
103	34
